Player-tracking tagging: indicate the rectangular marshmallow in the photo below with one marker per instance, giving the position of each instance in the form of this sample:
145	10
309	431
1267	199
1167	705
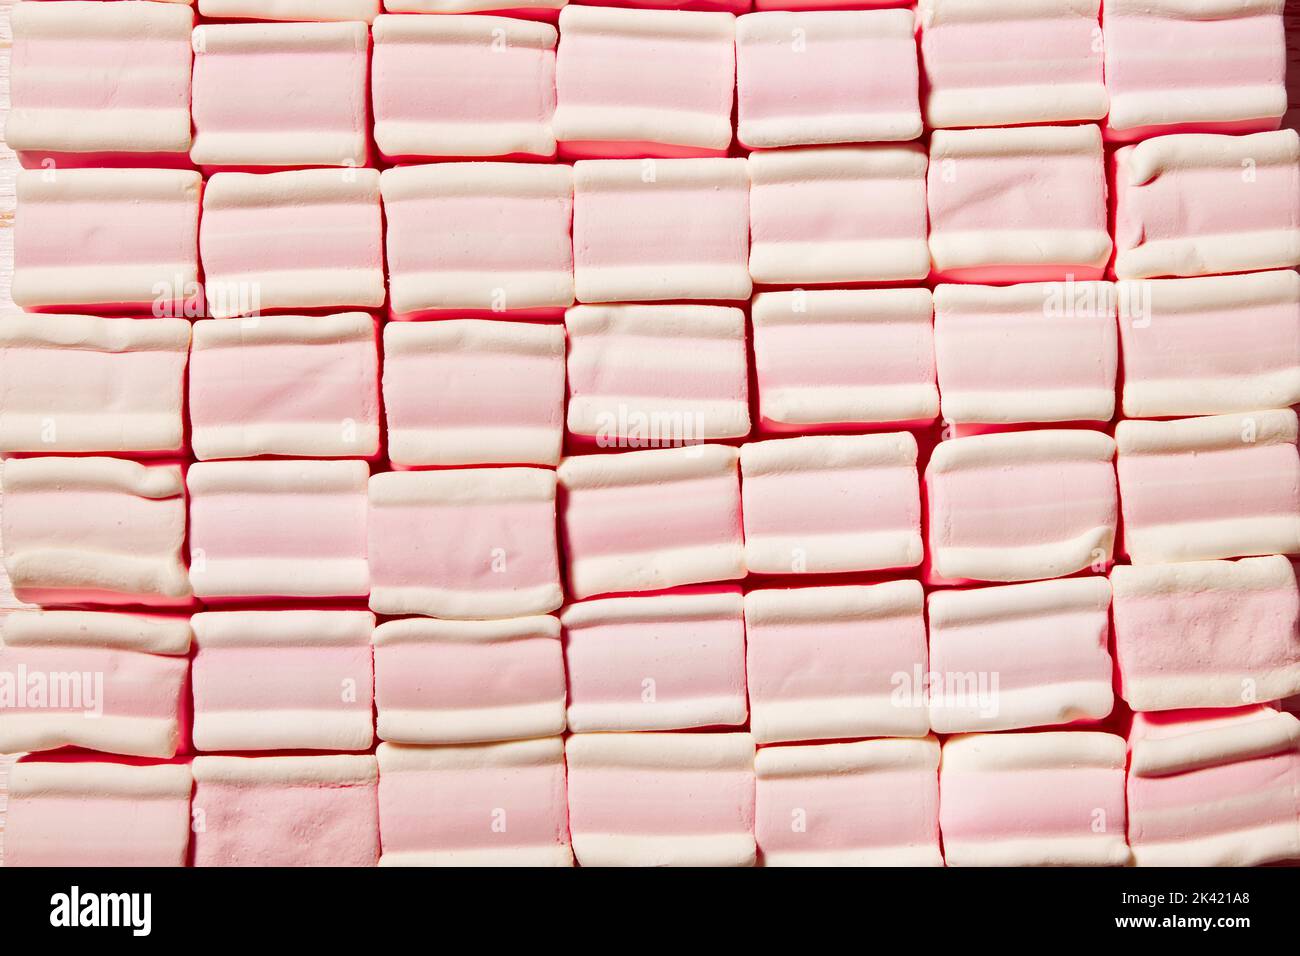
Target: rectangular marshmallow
1044	799
834	662
662	799
1194	65
982	335
838	214
1020	506
122	240
1027	655
365	10
283	680
470	543
844	358
868	803
278	528
485	237
502	804
826	76
1215	788
1011	62
530	8
94	531
303	239
458	682
463	86
1016	205
79	813
646	375
1223	486
285	385
1207	633
100	82
286	811
831	503
667	662
649	520
77	383
1199	204
1185	352
109	682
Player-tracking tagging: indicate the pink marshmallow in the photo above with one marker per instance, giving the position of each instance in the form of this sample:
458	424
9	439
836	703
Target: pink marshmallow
531	9
320	10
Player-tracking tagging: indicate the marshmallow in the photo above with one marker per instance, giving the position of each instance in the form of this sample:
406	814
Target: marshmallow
869	803
283	680
492	805
75	383
470	543
531	8
838	214
457	682
290	9
1223	486
662	799
666	662
278	528
285	385
648	520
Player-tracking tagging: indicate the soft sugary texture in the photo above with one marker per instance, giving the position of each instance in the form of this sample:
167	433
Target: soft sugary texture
1207	633
1021	506
831	503
474	392
1013	205
280	94
485	237
834	662
77	383
365	10
531	8
471	543
1214	788
844	357
662	799
94	531
1223	486
303	239
654	519
1200	204
1026	655
1010	62
100	80
293	529
675	102
867	803
102	681
838	214
664	662
463	86
116	239
283	680
1044	799
661	229
982	335
846	76
458	682
83	814
501	804
1182	65
286	811
672	373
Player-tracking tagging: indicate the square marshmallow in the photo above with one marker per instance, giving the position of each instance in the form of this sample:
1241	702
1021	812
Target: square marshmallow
76	383
459	682
283	680
285	385
844	358
667	662
94	531
278	529
326	10
470	543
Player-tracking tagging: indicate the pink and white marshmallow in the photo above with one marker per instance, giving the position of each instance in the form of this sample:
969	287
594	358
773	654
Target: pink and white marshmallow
311	10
